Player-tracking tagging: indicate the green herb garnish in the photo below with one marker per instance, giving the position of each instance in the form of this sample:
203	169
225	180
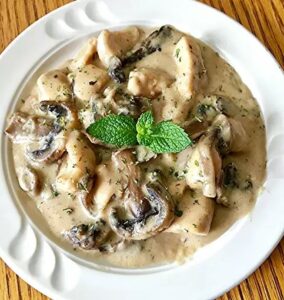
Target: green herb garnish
118	130
177	52
121	130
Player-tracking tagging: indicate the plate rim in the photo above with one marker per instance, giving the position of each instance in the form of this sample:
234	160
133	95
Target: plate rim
13	44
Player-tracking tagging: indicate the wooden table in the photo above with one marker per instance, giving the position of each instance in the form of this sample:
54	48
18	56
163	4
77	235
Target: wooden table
265	19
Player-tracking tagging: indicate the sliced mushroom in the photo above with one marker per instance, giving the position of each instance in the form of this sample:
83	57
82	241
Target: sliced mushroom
146	211
54	85
52	145
211	105
148	82
204	167
196	128
64	112
85	55
153	214
205	112
230	175
232	136
88	236
224	105
196	214
50	150
116	43
228	182
78	166
23	128
89	81
191	70
203	115
150	45
121	102
29	179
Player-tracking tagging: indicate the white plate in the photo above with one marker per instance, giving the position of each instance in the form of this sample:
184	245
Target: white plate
38	259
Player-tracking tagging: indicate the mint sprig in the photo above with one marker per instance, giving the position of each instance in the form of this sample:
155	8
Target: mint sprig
120	130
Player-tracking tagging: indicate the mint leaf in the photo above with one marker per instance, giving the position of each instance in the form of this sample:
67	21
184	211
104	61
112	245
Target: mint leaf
118	130
146	120
167	137
143	127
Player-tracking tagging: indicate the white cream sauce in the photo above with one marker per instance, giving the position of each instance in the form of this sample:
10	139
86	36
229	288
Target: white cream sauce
62	210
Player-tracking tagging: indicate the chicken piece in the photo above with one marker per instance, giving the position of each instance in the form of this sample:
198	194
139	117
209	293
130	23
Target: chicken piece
78	166
89	81
204	167
115	44
197	215
191	71
85	55
148	82
104	187
54	85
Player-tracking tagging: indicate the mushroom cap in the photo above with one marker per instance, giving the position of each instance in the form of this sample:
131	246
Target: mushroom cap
23	128
88	236
156	214
51	150
64	112
231	135
151	44
52	146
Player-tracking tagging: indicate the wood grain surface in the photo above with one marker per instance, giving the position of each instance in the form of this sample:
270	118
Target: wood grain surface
265	19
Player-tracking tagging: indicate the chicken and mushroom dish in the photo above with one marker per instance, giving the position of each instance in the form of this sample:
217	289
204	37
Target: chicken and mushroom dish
142	148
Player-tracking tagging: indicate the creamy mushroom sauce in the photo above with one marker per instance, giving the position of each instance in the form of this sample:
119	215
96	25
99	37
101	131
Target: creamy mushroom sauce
74	181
